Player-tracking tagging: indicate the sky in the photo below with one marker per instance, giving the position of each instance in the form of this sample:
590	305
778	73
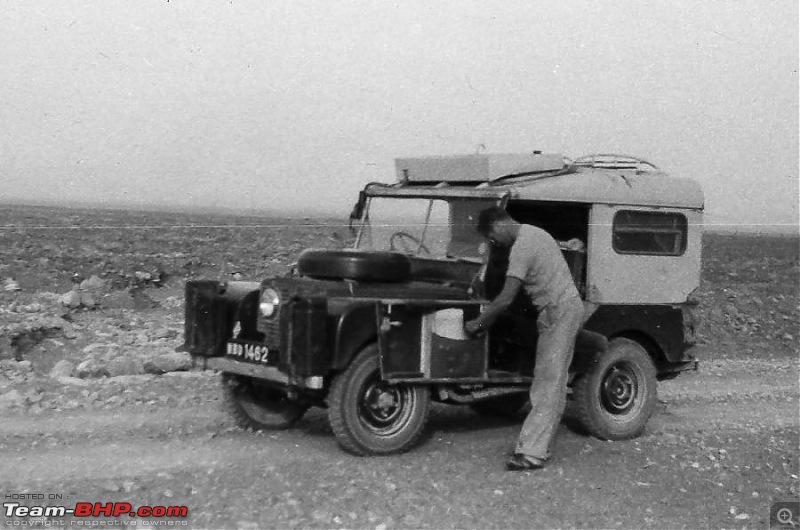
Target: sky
292	106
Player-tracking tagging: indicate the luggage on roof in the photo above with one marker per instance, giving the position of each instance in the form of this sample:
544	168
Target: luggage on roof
475	168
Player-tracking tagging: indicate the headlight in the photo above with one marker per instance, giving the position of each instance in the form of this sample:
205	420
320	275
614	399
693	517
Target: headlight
269	303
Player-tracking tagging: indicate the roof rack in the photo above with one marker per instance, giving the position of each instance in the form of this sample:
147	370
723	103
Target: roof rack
612	161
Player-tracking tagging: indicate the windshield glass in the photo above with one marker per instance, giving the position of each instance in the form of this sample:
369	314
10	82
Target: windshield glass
434	228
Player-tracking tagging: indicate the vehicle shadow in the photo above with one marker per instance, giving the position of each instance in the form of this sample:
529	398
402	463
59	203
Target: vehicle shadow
443	419
457	418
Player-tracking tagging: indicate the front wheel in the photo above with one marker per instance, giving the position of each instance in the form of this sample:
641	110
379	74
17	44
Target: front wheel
372	417
617	397
257	406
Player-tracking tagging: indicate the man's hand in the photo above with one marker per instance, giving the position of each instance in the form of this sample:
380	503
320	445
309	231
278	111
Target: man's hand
497	306
472	327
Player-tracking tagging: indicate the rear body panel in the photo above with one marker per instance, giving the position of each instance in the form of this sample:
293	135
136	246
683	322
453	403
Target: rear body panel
615	278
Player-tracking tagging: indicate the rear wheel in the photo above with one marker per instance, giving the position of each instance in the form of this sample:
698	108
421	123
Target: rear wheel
257	406
617	397
372	417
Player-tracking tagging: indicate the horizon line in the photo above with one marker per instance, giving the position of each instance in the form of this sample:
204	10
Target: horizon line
753	228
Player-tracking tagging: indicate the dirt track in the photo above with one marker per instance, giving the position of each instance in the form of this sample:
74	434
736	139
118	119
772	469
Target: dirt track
722	447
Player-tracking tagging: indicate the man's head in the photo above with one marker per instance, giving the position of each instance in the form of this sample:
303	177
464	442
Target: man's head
497	226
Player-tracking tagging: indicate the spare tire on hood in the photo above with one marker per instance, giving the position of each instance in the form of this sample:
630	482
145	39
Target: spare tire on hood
355	265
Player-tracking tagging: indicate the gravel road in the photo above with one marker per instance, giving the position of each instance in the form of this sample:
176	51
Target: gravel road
721	449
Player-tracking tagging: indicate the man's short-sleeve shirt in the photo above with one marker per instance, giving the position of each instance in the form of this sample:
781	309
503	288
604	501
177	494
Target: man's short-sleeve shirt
537	261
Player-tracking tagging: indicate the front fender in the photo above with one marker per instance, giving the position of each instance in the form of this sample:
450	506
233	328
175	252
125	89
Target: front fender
356	326
211	309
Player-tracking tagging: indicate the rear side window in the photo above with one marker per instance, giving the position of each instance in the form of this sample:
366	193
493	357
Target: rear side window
654	233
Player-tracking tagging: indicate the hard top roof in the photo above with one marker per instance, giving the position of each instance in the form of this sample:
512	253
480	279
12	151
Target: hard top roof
590	180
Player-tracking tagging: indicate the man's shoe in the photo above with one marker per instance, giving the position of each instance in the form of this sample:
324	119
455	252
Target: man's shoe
521	462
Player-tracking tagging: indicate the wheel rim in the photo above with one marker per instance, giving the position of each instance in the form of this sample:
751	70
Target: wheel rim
384	409
619	390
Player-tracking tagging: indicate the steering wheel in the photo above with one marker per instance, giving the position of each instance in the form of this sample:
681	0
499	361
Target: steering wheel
397	237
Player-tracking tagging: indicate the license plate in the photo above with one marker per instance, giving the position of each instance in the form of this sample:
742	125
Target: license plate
254	353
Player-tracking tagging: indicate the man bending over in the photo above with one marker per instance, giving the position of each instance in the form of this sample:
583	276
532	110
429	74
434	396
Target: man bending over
536	265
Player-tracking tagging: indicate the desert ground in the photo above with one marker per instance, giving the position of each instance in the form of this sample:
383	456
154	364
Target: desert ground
97	406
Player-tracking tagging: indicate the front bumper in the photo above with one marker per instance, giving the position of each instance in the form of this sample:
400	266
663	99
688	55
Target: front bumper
230	366
269	374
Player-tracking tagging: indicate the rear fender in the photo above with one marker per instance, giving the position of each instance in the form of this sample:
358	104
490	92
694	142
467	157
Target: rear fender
589	347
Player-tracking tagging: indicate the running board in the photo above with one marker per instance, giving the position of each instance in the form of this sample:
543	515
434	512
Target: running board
447	394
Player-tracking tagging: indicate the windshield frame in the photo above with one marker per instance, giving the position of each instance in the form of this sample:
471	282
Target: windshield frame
492	198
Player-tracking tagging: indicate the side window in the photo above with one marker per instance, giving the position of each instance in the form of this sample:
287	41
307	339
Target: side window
656	233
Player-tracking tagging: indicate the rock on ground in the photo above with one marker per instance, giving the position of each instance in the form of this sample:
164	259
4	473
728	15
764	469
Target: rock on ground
91	368
168	362
62	368
11	400
125	366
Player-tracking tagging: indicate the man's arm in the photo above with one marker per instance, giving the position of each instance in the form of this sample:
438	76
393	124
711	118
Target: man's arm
495	307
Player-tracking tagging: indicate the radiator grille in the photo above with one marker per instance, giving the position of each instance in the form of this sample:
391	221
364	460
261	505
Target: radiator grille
271	327
271	330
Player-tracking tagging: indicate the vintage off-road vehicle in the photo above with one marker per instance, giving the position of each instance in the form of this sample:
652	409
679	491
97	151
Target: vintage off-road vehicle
375	333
